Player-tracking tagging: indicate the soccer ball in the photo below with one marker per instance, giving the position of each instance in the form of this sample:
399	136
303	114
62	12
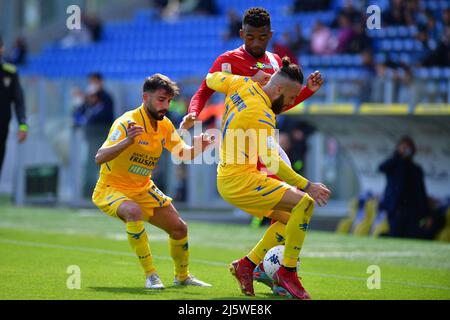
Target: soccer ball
273	259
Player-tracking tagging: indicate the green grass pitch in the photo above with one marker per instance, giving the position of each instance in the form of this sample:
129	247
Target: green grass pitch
37	245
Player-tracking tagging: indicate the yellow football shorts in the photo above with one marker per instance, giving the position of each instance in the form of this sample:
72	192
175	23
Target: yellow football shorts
108	199
254	193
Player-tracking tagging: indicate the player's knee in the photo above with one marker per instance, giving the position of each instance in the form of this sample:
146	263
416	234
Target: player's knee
133	212
179	231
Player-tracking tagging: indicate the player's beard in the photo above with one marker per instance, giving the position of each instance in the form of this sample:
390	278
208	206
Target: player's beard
154	114
278	104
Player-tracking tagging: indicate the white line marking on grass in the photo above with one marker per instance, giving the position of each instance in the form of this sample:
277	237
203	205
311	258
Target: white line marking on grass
94	250
207	262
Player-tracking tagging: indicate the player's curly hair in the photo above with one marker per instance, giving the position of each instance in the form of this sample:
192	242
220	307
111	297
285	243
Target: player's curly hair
291	70
160	81
256	17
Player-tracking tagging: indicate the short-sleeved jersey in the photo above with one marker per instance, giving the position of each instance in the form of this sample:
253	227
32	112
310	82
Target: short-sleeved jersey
248	124
133	167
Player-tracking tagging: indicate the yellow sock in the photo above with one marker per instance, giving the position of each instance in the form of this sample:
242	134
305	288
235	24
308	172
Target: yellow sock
137	237
179	251
296	230
275	235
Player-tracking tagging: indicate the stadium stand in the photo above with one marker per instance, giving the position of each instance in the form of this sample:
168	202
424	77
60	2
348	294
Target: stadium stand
185	48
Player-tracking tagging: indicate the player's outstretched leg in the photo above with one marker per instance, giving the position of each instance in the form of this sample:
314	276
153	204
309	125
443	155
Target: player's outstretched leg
167	218
246	270
274	235
302	209
131	213
242	271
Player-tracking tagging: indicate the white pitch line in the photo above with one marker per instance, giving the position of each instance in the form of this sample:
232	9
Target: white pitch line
208	262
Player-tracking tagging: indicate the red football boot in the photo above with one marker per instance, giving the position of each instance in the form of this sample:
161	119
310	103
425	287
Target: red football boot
286	283
242	270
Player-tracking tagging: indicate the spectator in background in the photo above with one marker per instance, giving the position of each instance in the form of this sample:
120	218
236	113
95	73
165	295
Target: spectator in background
396	15
405	198
349	10
10	92
95	83
299	44
282	47
441	55
299	147
94	24
234	25
18	55
428	45
359	42
322	41
345	34
367	83
95	116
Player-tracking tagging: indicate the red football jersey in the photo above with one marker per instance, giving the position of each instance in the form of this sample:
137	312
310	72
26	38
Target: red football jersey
240	62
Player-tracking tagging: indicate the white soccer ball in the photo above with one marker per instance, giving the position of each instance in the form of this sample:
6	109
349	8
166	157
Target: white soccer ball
273	259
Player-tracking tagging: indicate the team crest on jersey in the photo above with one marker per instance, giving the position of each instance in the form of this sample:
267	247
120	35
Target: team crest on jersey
7	81
145	143
262	66
226	67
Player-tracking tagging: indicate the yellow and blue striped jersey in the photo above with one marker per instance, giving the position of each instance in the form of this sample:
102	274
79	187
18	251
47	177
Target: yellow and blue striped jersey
248	130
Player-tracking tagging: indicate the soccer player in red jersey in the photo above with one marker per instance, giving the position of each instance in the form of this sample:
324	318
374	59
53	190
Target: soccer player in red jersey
253	60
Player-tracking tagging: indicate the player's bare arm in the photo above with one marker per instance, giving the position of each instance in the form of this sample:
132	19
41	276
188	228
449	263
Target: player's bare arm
200	143
106	154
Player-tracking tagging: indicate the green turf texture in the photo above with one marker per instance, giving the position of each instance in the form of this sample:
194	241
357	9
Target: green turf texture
37	245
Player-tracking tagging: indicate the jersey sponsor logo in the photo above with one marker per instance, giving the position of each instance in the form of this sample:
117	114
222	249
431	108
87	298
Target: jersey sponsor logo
262	66
139	170
115	135
144	159
226	67
145	143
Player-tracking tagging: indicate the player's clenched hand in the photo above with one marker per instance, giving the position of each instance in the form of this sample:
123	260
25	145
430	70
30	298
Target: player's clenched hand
314	81
188	121
134	131
319	192
204	140
261	77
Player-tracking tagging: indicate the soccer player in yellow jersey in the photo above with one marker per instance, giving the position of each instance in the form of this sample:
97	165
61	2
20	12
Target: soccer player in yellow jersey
248	133
124	189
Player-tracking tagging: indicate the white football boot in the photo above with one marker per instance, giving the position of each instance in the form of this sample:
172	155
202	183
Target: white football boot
191	281
154	282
